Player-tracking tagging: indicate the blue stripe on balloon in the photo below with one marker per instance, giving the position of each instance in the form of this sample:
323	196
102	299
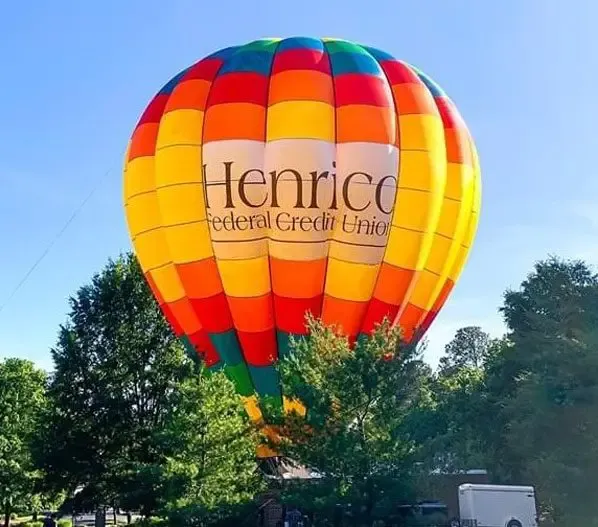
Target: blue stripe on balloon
343	62
265	380
301	43
227	346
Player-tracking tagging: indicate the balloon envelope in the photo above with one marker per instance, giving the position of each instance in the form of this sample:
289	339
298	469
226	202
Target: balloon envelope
292	175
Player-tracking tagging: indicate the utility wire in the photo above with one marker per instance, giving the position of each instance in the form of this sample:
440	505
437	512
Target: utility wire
54	240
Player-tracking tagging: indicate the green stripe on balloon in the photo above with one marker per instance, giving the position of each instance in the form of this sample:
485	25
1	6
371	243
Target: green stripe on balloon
239	375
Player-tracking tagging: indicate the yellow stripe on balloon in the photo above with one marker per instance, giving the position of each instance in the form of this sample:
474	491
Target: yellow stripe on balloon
180	127
350	280
456	209
142	211
422	172
300	120
245	278
474	217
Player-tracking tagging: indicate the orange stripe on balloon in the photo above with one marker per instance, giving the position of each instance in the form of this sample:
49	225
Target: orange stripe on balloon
393	286
194	87
209	282
234	121
413	99
457	146
300	85
143	141
253	314
183	311
205	295
298	279
346	315
189	95
180	314
152	285
172	320
363	123
393	283
408	320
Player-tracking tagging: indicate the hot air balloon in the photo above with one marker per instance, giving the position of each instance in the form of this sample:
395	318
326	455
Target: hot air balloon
296	175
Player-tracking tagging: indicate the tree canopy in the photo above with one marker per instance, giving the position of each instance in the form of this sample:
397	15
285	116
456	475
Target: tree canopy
127	407
529	411
22	399
355	433
127	416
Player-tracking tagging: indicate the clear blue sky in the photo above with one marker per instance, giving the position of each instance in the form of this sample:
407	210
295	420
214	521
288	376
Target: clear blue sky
76	75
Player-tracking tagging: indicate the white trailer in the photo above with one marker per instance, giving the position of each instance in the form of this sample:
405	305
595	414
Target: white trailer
497	506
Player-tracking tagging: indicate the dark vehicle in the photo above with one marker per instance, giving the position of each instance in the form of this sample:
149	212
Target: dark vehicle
424	514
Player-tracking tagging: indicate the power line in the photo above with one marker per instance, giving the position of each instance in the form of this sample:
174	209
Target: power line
54	240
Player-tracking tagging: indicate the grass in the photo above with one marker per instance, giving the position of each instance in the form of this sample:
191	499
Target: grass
19	520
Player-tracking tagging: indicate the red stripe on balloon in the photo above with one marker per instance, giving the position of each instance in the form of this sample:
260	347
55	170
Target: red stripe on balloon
213	313
377	311
291	312
259	348
171	319
238	87
155	109
205	69
301	59
398	72
408	321
357	88
204	345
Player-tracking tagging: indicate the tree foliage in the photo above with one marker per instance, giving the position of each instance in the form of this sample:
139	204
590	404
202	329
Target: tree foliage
209	468
117	368
550	401
469	348
127	415
530	412
22	399
355	432
131	419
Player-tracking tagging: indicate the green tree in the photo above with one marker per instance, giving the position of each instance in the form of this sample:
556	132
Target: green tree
22	398
356	432
469	348
209	471
449	429
117	370
455	432
560	291
544	388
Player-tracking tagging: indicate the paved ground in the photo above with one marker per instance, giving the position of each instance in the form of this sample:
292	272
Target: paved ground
89	519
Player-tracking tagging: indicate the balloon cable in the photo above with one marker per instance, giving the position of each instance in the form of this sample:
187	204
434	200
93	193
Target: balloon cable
54	240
